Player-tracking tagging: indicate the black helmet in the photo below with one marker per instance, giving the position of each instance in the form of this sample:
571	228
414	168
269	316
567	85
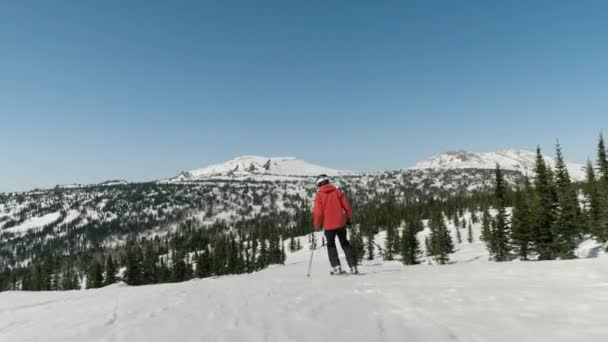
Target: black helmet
322	180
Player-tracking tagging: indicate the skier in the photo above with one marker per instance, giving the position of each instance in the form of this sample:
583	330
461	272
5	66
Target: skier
333	212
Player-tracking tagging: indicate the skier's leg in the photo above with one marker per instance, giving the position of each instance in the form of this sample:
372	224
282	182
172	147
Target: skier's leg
332	251
346	247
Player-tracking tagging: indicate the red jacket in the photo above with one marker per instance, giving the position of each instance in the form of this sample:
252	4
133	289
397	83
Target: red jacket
331	210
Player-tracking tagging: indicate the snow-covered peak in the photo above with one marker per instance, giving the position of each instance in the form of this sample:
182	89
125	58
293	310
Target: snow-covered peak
247	166
114	182
516	160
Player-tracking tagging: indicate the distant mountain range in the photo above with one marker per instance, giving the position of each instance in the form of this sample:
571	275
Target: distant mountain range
285	167
515	160
255	166
244	188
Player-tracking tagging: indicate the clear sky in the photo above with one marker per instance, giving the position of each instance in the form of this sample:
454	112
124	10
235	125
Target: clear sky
142	90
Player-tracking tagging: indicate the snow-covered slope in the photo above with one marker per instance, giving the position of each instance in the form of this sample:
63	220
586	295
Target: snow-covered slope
251	166
470	300
516	160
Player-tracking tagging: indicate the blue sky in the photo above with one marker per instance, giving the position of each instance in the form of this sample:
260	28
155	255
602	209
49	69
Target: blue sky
142	90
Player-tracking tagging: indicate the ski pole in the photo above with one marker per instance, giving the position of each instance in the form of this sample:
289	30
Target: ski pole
312	252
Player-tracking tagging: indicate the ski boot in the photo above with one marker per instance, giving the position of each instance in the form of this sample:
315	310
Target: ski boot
336	271
354	270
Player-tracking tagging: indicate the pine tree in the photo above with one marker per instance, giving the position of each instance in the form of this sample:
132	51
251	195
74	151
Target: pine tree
179	270
110	276
522	220
37	280
203	264
370	244
410	247
69	279
390	249
133	272
233	265
486	226
440	242
292	244
357	246
95	275
566	225
149	268
602	162
499	240
544	210
458	235
263	259
470	233
596	210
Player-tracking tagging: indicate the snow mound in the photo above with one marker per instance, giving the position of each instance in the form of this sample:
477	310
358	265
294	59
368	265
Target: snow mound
515	160
248	166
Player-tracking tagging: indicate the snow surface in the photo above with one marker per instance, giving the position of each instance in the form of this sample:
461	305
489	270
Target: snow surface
34	223
516	160
470	300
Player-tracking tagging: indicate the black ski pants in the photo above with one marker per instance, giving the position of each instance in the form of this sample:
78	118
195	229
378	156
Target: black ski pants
332	251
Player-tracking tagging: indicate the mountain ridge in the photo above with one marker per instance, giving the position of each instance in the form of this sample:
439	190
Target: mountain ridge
510	159
252	166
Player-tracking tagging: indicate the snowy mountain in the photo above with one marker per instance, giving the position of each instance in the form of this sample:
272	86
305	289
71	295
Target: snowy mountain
114	182
256	166
244	188
516	160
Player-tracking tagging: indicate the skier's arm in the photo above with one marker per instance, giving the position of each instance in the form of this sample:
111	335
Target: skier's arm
317	212
348	212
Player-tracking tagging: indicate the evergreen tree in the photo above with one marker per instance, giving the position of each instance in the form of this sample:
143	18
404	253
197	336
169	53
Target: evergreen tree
203	264
110	276
567	218
440	242
69	279
233	264
263	259
149	266
179	269
596	210
544	210
602	163
133	272
370	244
470	233
357	246
499	239
95	275
410	247
292	244
522	220
37	280
486	226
